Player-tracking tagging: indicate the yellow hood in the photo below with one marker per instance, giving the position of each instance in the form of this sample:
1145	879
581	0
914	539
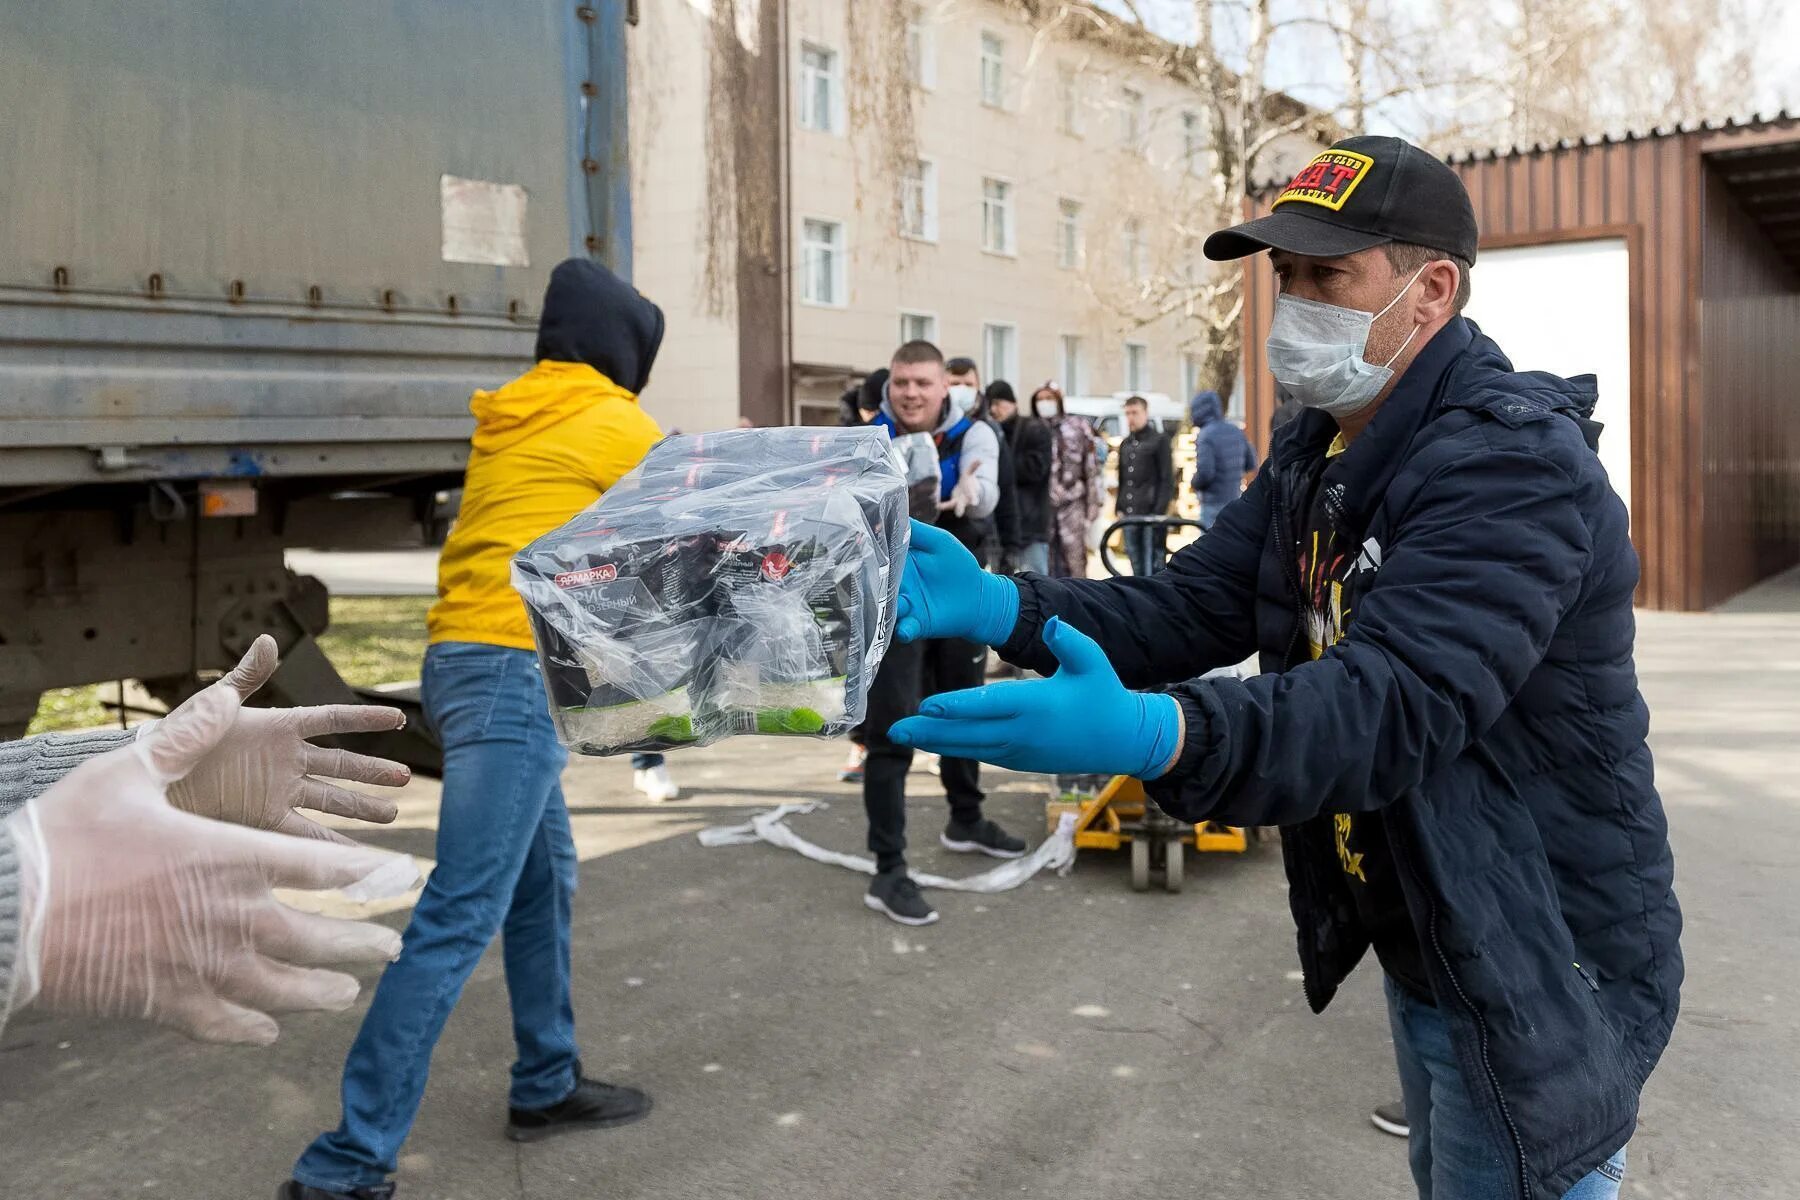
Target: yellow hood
547	394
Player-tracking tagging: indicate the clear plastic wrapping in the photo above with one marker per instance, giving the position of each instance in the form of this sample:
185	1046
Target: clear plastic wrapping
736	582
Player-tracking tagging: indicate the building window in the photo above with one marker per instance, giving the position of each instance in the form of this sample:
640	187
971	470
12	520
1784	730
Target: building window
1137	257
993	70
1068	234
918	201
1131	119
1074	366
1190	374
1193	143
1068	100
1137	367
921	53
819	100
997	217
918	327
822	263
999	352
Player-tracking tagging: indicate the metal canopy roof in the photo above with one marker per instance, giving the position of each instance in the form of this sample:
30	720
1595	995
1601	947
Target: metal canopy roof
1765	179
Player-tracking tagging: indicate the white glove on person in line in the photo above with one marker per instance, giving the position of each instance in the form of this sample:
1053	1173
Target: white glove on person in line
966	494
263	769
132	908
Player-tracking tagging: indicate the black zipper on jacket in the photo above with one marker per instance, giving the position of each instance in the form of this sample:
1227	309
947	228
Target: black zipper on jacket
1286	549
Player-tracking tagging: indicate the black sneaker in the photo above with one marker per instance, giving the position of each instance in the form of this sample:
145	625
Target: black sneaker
983	837
293	1189
592	1105
896	895
1391	1118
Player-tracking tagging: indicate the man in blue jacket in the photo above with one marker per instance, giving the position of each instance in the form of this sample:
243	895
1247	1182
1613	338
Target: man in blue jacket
1222	456
1449	732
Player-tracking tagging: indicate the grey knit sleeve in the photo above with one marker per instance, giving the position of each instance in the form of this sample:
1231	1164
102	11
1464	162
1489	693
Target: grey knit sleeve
28	768
9	922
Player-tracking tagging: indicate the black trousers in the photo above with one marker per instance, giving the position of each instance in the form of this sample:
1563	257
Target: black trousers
908	674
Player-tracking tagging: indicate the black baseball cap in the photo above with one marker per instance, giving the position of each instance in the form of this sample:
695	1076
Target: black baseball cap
1360	193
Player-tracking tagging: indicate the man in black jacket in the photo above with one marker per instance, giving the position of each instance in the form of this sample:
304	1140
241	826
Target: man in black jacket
1438	575
1146	486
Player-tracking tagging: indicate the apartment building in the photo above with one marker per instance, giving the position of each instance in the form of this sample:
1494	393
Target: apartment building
1038	228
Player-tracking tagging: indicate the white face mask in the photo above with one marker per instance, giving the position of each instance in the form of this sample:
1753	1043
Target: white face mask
963	397
1046	409
1315	352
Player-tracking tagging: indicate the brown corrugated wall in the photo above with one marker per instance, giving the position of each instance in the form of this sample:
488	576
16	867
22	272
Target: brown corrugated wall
1750	352
1648	191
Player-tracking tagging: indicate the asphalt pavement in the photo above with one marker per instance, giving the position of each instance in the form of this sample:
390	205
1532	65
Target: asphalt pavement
1068	1039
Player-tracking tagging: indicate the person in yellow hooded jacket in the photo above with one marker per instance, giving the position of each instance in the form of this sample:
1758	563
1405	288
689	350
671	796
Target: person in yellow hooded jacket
545	447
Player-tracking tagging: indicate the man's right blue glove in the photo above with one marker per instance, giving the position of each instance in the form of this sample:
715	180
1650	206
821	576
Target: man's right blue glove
944	593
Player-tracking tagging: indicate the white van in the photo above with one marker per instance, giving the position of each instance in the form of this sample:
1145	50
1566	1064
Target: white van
1107	413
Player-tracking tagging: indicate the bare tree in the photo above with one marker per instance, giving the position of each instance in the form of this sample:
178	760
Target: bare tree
1448	73
1543	70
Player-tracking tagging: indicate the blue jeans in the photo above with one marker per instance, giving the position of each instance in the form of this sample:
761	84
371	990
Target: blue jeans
1035	556
1145	547
1453	1155
505	863
644	762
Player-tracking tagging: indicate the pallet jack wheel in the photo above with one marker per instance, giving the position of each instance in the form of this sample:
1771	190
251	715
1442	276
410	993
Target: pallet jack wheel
1173	855
1140	864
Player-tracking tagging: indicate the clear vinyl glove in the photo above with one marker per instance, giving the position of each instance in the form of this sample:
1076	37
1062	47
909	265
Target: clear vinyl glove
263	770
132	908
1079	721
944	593
966	494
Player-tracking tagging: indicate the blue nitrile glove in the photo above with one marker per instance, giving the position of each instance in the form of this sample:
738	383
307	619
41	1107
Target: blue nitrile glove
1080	721
944	593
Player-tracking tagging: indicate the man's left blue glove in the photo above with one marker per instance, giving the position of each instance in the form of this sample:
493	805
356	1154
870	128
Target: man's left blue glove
1080	721
944	593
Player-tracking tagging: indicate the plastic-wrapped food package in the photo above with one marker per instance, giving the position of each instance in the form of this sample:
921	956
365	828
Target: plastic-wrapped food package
736	582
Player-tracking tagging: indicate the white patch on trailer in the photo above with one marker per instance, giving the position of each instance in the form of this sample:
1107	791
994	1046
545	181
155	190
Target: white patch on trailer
483	222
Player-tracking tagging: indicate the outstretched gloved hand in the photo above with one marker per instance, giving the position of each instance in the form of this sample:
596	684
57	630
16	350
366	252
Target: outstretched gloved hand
967	492
131	908
944	593
1080	721
263	769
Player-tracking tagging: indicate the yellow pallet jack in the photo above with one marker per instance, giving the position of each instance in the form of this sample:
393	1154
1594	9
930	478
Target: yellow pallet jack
1120	814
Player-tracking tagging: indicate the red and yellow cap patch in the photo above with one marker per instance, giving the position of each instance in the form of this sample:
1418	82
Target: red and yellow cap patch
1327	180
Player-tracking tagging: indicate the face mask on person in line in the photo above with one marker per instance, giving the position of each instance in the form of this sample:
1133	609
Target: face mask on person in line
963	398
1046	409
1315	352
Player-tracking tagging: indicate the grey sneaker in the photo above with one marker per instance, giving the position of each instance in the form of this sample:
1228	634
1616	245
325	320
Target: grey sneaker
896	896
982	837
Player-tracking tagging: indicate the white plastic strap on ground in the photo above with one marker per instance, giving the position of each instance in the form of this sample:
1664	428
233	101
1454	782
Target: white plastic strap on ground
1056	851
